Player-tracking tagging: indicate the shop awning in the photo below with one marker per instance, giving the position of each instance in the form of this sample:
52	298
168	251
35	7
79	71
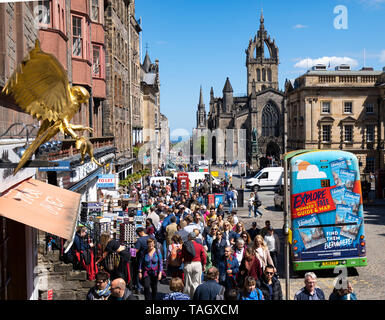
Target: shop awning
42	206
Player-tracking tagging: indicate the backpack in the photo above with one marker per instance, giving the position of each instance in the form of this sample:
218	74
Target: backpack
258	203
189	246
174	259
159	235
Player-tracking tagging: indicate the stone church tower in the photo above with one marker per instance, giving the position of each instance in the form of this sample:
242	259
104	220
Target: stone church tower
248	127
262	61
201	113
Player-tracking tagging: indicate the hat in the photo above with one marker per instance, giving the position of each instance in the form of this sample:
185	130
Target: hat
112	246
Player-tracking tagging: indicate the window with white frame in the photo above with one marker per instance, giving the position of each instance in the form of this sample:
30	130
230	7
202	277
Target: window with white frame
77	38
326	132
348	133
96	67
44	12
95	10
370	133
348	107
325	107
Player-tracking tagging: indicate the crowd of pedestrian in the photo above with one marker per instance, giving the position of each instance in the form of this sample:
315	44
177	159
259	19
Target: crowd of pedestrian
201	251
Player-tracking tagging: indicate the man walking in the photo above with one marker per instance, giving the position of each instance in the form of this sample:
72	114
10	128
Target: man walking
194	259
210	289
269	285
310	291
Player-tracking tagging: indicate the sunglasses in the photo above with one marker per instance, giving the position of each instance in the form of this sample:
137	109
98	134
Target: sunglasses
269	273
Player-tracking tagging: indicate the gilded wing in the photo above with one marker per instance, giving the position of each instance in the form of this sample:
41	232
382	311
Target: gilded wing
40	87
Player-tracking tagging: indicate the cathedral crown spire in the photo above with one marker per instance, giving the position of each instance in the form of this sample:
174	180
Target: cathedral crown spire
262	20
262	60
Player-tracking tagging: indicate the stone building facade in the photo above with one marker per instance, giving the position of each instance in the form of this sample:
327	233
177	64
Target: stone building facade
151	110
123	79
73	32
17	36
338	109
248	127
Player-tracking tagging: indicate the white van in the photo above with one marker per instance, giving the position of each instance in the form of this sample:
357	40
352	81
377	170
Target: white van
196	176
160	179
266	178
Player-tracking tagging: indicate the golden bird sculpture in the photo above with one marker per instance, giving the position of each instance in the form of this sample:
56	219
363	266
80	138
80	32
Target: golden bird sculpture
40	87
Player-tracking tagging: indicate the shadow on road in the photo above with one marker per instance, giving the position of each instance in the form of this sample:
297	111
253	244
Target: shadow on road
273	208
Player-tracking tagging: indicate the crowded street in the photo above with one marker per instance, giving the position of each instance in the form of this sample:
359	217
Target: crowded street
212	152
161	287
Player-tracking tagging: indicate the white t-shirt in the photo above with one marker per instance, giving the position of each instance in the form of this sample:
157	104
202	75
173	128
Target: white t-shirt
270	241
239	255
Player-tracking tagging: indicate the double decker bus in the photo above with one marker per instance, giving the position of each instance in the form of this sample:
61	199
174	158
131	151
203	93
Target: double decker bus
326	210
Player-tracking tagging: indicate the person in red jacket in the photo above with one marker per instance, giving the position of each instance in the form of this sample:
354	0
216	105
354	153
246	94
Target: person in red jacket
250	266
194	259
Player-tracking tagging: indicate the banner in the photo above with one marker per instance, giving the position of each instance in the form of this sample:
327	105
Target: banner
106	181
313	201
326	206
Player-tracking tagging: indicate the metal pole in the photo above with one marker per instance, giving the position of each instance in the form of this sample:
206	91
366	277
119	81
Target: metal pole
286	226
211	182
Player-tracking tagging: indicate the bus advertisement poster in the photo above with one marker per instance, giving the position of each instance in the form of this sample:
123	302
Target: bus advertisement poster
326	206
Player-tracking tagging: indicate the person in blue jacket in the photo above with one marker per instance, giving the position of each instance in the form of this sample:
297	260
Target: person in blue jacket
230	199
250	292
232	268
344	293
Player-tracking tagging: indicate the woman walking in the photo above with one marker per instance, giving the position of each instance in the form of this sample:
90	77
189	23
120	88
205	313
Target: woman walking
262	253
150	270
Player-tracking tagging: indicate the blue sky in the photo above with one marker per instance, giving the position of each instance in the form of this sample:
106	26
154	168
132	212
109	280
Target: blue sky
201	42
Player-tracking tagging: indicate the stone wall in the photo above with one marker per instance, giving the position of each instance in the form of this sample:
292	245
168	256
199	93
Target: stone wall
53	274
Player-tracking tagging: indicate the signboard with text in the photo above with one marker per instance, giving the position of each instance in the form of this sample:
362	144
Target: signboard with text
106	181
326	207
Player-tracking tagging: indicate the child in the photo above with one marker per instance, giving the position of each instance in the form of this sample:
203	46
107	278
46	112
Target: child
250	292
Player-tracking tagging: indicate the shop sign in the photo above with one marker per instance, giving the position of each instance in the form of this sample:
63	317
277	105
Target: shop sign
106	181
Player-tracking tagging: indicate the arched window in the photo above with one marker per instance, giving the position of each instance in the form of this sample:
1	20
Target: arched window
258	75
263	74
270	121
269	75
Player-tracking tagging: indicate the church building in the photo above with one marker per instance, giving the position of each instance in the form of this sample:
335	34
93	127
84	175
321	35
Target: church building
259	113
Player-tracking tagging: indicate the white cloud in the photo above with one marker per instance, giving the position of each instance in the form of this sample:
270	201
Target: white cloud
300	26
311	172
382	56
334	61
